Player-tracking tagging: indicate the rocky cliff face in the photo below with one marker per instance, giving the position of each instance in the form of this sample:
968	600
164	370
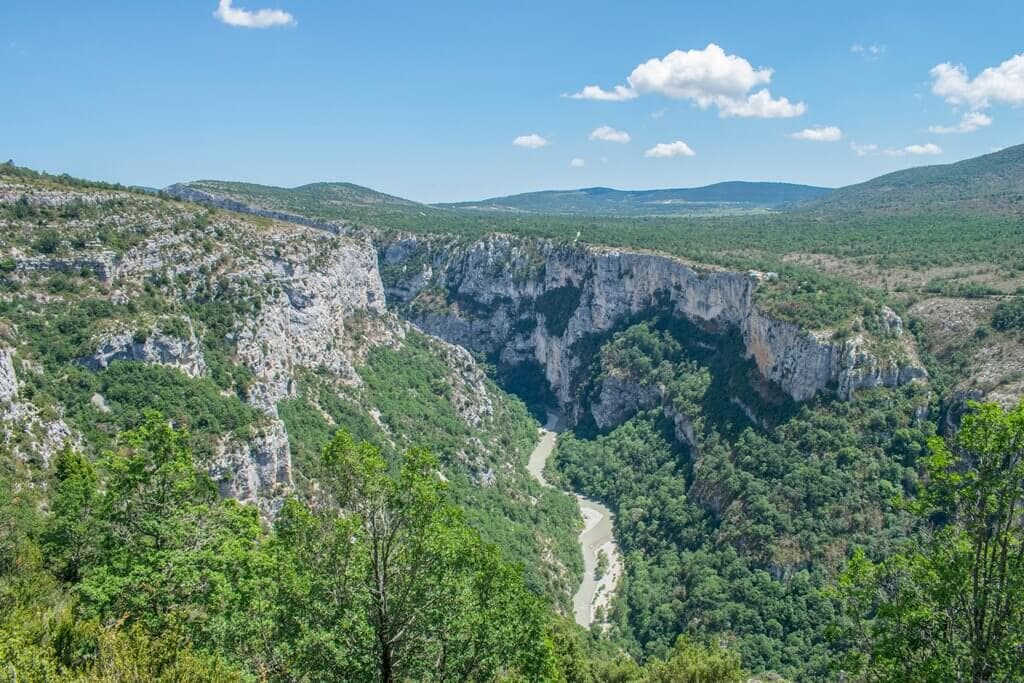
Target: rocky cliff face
537	300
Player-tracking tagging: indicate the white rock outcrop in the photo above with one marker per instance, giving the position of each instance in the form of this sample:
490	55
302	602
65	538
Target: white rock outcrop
539	300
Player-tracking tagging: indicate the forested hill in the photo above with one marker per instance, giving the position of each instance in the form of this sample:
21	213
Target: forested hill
989	184
727	197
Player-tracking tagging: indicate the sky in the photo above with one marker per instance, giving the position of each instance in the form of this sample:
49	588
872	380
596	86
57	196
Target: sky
447	101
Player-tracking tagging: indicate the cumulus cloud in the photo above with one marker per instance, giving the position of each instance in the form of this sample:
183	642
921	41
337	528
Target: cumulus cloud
868	52
970	122
996	84
761	105
263	18
666	150
927	149
577	163
819	134
609	134
531	141
707	77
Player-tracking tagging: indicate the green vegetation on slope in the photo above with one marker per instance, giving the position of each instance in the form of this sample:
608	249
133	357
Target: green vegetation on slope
989	184
409	388
947	605
739	535
728	197
136	570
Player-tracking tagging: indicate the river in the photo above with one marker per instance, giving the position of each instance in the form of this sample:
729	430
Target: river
597	536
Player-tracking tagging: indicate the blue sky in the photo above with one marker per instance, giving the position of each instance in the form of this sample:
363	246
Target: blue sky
424	100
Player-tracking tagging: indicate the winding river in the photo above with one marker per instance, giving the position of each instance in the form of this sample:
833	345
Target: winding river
597	536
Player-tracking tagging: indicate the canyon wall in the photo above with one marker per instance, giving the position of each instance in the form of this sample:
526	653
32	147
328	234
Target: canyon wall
523	300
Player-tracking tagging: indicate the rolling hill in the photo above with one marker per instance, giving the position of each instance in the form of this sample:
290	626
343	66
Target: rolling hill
727	197
990	184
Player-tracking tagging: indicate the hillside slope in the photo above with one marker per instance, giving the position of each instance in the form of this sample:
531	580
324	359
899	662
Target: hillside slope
727	197
262	338
989	184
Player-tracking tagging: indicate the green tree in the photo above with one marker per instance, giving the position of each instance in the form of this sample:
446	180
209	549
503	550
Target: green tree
692	663
442	605
949	607
168	548
71	531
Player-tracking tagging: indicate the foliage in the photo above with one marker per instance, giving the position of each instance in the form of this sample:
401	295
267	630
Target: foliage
947	607
737	535
1009	315
177	584
412	389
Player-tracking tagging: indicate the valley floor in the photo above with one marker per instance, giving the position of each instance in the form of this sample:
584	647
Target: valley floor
592	599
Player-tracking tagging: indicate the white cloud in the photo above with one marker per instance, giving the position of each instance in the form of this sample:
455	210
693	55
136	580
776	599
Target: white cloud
596	92
868	52
761	105
577	163
1003	83
659	113
609	134
665	150
707	77
263	18
819	134
927	149
970	122
531	141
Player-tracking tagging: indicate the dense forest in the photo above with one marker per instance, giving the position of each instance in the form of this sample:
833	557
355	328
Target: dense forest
134	569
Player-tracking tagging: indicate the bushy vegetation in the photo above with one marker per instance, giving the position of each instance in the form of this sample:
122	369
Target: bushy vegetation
1009	315
138	571
740	534
410	387
947	605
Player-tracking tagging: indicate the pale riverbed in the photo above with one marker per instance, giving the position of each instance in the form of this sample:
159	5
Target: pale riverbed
597	536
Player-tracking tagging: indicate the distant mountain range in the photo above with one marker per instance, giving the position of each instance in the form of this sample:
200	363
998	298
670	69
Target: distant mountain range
992	184
727	197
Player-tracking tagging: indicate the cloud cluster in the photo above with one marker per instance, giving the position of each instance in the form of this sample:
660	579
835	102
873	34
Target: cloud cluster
819	134
667	150
609	134
577	163
970	122
996	84
707	77
530	141
264	18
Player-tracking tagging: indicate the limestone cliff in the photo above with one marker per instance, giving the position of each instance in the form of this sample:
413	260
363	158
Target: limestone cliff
538	300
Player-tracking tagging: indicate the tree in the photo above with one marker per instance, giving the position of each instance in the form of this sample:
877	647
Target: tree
168	548
692	663
441	604
71	531
949	607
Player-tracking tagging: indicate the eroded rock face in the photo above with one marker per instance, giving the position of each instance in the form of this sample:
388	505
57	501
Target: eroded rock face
304	325
8	380
537	300
156	347
620	398
20	419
